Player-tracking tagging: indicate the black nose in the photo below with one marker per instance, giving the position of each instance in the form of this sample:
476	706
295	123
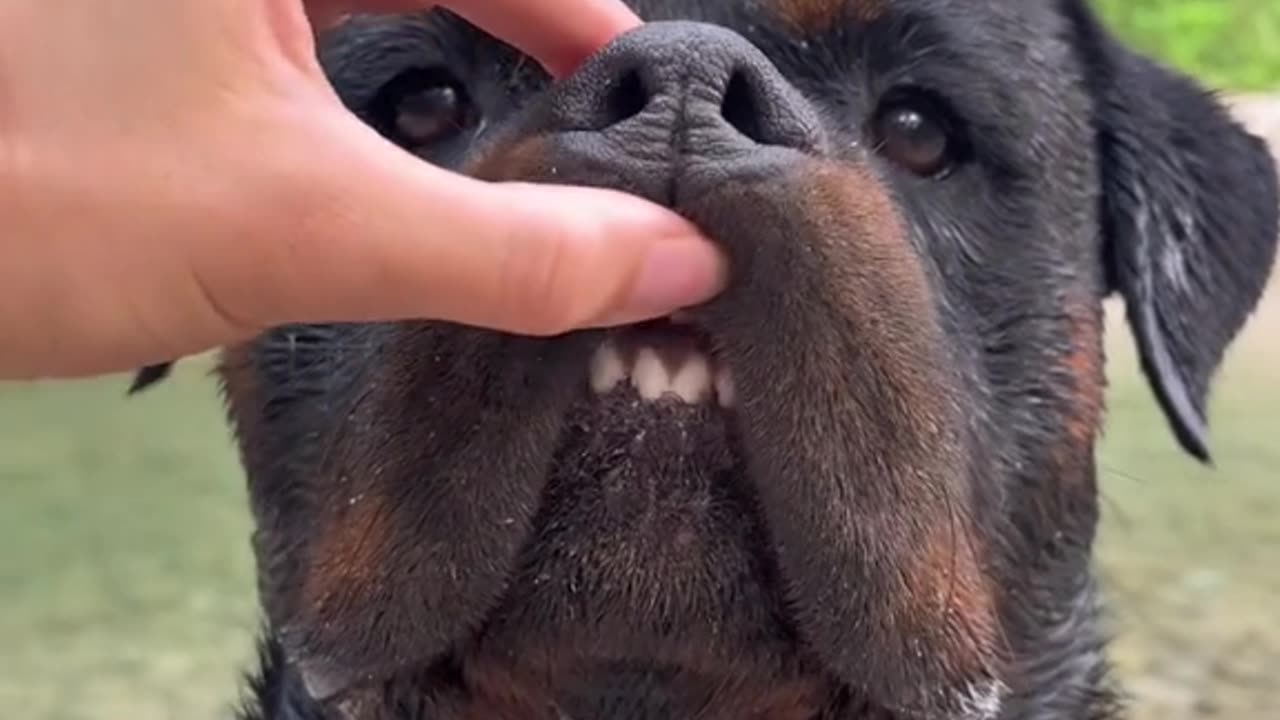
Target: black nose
688	88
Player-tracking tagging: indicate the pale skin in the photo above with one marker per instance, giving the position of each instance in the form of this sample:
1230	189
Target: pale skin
177	175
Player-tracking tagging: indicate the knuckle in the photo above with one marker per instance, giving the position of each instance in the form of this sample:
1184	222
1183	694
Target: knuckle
551	286
222	308
541	300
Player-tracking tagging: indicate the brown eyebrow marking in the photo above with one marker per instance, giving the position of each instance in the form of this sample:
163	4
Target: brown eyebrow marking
819	16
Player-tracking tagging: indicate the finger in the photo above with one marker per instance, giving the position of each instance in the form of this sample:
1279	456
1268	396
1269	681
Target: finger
559	37
557	33
379	235
325	14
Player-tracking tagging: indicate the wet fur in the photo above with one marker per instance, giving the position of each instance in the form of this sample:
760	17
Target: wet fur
901	519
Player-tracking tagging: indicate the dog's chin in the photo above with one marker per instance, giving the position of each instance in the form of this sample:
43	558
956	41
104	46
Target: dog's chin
647	577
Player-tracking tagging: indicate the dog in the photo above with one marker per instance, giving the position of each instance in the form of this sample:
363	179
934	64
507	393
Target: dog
858	484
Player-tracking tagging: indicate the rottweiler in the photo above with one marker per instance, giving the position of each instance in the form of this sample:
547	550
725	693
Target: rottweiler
858	484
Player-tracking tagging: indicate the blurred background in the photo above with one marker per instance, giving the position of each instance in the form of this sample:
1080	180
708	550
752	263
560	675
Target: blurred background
126	587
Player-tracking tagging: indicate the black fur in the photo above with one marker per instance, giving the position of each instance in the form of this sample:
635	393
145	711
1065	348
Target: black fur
897	518
1188	257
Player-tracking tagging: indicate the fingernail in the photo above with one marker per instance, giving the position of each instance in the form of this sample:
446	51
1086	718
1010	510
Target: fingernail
675	275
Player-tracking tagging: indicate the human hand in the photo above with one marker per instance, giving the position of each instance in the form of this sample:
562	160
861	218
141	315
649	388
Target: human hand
177	175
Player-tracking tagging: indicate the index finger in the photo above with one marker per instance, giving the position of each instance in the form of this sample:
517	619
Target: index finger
559	34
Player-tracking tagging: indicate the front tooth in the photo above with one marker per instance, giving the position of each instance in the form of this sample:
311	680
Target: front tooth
649	375
693	381
607	368
725	391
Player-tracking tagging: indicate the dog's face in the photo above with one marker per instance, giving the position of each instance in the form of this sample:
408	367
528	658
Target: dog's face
859	483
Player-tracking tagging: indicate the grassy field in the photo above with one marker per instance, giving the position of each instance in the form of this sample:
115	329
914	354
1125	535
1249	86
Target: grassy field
125	576
1189	553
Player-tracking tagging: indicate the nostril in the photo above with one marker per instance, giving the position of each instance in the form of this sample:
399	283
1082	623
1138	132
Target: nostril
741	108
627	98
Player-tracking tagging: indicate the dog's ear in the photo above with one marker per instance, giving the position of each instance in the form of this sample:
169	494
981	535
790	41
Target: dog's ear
148	376
1189	206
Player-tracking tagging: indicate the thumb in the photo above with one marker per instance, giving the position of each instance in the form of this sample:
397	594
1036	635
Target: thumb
377	234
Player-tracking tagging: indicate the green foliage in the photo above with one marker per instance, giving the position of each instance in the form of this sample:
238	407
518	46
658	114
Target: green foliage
1231	45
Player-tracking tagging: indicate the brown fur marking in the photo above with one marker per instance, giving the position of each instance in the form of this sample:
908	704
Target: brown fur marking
519	161
1083	365
819	16
497	689
948	589
350	550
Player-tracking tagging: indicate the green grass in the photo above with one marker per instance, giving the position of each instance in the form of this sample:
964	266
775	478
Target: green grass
126	590
1188	553
125	573
1229	44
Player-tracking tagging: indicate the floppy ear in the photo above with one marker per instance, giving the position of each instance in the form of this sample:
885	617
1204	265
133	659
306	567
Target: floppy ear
148	376
1189	212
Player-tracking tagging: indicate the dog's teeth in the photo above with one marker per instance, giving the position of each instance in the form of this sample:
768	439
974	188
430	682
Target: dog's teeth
693	381
607	369
725	392
649	375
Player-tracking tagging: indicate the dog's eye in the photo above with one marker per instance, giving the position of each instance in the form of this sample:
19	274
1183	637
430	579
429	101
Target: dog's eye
429	114
914	133
422	107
